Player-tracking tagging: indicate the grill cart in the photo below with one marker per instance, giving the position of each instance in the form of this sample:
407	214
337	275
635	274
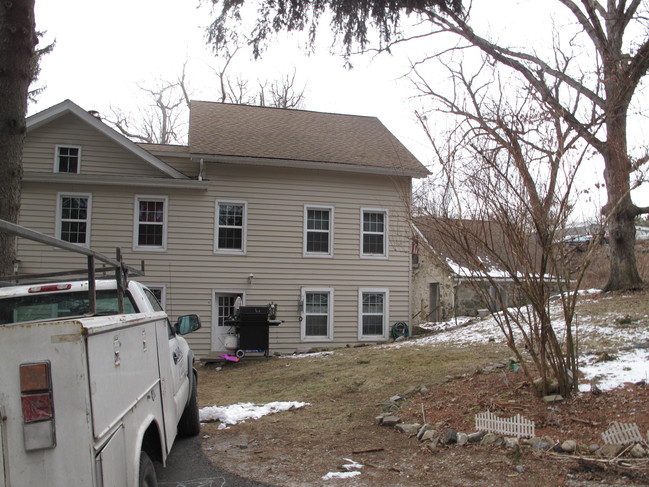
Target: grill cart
251	325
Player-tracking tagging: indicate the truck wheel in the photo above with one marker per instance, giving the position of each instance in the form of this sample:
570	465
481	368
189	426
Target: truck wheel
147	476
190	422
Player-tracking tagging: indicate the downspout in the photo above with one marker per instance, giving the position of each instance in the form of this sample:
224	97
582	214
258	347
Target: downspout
200	170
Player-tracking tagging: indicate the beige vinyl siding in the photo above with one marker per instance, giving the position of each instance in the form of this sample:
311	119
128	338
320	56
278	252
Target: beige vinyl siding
184	165
99	154
190	270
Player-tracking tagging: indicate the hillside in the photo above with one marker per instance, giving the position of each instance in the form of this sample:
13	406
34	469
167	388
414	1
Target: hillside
444	377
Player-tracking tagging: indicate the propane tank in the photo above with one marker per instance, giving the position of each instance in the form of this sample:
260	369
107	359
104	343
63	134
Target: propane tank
231	342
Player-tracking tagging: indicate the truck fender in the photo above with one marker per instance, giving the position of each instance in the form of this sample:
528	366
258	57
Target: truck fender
192	374
151	440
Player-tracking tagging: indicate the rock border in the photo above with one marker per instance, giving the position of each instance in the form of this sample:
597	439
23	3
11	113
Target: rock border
436	436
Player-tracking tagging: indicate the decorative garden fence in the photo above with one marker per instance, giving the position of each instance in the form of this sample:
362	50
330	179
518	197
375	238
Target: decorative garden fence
517	426
622	434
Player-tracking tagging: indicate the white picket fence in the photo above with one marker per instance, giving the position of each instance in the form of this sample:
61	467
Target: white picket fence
622	434
517	426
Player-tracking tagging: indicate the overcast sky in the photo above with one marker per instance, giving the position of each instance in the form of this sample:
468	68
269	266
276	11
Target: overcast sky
105	49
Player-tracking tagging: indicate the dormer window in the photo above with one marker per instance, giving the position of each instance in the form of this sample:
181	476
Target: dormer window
67	159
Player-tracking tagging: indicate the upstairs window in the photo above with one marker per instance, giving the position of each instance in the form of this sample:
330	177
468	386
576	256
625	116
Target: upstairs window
230	227
68	159
318	225
374	225
73	218
150	226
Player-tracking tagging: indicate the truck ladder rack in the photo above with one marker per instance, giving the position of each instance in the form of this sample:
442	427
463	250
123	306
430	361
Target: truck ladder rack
116	265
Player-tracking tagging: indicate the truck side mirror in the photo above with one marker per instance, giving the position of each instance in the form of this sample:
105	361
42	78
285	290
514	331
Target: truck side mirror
187	324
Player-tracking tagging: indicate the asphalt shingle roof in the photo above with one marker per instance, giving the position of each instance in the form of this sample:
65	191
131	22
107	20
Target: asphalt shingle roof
244	131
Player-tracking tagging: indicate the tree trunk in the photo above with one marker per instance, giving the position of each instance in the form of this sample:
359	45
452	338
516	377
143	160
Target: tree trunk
619	209
17	43
624	271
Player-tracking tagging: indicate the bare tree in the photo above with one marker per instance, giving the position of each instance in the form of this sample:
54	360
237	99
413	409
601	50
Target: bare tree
281	93
614	30
510	166
620	63
164	120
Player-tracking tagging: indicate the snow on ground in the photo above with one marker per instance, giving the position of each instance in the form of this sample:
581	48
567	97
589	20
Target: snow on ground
352	470
308	355
237	413
629	365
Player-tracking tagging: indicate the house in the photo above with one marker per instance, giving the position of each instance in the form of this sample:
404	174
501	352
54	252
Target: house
446	280
303	209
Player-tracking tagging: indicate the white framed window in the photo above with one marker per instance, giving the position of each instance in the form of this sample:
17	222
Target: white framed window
317	314
160	293
373	313
230	227
374	232
150	223
67	159
73	216
318	231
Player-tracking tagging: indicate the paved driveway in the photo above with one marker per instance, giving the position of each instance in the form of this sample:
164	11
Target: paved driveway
187	466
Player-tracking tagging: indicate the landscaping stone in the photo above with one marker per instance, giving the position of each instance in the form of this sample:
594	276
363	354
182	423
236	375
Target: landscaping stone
637	451
389	407
430	435
450	437
511	443
569	446
476	437
489	439
541	444
462	439
553	385
554	398
410	391
390	420
609	451
425	427
408	429
593	448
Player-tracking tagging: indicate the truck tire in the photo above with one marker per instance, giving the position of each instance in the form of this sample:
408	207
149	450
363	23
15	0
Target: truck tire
190	422
147	476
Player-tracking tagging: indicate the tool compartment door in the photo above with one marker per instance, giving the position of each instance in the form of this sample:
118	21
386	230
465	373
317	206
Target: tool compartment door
123	370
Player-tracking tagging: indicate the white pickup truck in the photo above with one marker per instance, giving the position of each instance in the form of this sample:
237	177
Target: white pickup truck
91	400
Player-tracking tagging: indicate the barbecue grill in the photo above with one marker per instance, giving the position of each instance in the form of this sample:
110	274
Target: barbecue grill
252	325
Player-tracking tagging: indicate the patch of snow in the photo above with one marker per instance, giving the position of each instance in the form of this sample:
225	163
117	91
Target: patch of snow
237	413
340	475
629	366
352	464
308	355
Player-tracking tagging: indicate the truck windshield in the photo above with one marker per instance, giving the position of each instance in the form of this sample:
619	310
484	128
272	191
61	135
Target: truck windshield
59	305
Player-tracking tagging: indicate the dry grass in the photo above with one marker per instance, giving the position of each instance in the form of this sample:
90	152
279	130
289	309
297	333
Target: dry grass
345	391
335	383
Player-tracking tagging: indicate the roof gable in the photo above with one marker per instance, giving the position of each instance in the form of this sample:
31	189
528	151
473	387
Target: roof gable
68	107
220	130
